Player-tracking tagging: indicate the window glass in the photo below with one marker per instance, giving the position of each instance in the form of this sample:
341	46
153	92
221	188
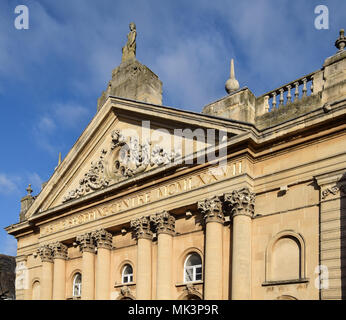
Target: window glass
193	268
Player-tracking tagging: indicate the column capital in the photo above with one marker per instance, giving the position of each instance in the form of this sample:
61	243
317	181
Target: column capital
59	250
141	227
86	242
241	202
165	222
211	209
103	239
46	253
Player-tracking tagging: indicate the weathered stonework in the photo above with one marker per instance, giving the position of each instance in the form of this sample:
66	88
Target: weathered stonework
86	242
141	228
165	222
211	209
241	202
103	239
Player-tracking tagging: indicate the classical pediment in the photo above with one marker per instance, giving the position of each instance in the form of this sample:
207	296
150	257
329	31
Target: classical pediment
113	148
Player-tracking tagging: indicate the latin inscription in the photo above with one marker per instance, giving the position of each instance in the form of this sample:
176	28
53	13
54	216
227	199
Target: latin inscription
183	185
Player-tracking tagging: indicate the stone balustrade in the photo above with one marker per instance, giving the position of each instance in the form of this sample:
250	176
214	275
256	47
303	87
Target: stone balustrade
291	92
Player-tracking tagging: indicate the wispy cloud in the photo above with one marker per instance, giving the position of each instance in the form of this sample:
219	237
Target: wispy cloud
8	184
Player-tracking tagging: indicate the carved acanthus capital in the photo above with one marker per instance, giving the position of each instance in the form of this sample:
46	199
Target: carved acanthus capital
141	227
211	209
165	222
86	242
103	239
46	253
59	250
241	202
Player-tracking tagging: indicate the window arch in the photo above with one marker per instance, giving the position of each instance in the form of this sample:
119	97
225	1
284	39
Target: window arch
127	274
285	257
36	290
193	268
77	285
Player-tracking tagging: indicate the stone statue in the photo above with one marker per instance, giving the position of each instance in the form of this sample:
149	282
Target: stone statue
129	50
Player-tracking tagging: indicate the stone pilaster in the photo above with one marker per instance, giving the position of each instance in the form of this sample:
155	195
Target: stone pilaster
86	244
103	241
46	254
241	204
144	235
165	228
59	251
212	212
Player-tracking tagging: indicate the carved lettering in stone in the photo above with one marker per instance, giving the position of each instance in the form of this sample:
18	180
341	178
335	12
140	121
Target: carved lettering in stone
211	209
165	222
103	238
142	228
241	202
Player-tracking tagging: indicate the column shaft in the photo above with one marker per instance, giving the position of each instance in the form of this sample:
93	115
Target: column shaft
213	261
59	281
241	258
164	267
88	275
143	277
47	280
103	261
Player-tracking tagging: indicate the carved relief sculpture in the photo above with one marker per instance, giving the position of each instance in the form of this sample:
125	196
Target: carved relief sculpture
240	202
211	209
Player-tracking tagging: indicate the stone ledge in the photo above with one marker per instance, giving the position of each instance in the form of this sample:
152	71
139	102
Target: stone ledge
284	282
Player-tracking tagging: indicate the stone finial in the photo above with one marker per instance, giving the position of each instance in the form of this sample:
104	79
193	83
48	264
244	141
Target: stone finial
165	222
241	202
141	228
232	84
29	190
211	209
340	42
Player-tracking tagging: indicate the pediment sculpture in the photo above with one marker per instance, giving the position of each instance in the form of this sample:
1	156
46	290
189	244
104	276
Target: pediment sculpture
126	158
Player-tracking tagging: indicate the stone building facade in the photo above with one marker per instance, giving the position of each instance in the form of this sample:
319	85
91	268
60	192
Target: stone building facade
132	212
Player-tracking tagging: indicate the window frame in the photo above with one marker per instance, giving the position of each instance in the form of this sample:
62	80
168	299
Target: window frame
129	276
193	268
79	290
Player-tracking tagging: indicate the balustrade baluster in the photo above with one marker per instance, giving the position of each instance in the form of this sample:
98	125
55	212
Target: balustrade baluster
274	100
289	97
296	93
281	101
304	87
266	103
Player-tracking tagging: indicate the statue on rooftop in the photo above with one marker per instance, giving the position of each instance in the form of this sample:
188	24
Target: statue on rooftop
129	50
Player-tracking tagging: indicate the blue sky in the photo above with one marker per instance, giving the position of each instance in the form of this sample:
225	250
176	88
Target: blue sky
52	74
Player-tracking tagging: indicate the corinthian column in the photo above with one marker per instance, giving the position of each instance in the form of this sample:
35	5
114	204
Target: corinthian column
214	219
144	237
59	279
87	246
46	255
103	241
241	203
165	226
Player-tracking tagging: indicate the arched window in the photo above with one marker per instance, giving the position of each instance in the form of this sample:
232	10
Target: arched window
193	268
77	285
127	274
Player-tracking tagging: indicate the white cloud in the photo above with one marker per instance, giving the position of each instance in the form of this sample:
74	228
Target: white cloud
7	184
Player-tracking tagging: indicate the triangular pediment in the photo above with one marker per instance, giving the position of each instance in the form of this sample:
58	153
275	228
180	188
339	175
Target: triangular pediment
127	139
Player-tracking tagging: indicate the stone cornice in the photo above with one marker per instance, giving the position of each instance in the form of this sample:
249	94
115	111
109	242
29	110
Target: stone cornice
103	239
165	223
211	210
240	202
141	227
86	242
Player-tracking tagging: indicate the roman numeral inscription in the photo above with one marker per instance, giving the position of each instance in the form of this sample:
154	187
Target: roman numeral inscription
186	184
